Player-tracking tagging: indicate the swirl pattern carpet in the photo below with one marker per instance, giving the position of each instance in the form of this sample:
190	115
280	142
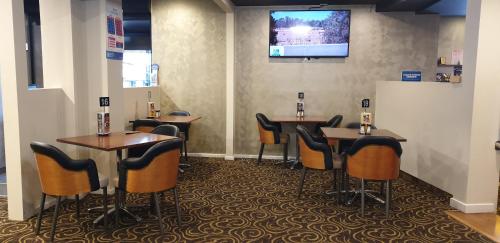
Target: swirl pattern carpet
243	202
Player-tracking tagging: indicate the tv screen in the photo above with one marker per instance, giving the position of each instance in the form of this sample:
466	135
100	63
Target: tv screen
309	33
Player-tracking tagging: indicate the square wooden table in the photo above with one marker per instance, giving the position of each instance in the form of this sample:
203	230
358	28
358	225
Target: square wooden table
116	141
334	134
298	120
178	119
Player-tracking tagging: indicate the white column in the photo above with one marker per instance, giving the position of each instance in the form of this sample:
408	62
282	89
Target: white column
228	7
14	78
481	74
229	86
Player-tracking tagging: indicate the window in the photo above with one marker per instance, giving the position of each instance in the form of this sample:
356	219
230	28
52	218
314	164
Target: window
137	69
33	43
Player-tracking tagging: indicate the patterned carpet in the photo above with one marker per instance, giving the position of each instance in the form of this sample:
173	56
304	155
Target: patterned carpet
241	202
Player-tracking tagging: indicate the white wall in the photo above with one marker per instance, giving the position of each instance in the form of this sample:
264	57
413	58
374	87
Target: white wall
482	52
2	140
452	127
432	117
77	72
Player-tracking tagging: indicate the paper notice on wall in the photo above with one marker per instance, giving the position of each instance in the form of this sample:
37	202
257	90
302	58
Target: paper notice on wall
115	39
457	57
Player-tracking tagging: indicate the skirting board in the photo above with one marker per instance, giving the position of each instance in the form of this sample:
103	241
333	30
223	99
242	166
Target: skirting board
472	208
236	156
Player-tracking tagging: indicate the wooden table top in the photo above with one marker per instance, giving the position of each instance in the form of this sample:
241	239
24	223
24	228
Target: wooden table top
115	141
353	134
294	119
178	119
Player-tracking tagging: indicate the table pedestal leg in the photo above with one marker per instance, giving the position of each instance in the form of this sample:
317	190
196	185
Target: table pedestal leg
122	208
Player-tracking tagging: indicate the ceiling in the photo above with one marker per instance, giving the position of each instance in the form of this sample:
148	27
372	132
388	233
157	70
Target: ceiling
381	5
449	7
301	2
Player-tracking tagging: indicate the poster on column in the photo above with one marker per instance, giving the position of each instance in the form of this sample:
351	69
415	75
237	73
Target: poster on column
114	37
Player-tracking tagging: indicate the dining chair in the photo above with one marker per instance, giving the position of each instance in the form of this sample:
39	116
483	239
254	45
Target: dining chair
60	176
184	128
145	125
318	155
154	172
165	129
271	133
375	159
332	123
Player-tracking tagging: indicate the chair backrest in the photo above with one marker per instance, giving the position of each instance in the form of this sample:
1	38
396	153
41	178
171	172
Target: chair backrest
269	132
315	154
155	171
344	145
145	125
374	158
335	121
179	113
167	130
62	176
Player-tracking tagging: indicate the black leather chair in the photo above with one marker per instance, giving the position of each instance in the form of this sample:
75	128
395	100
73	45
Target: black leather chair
61	176
376	159
154	172
317	154
271	133
334	122
145	125
184	128
167	130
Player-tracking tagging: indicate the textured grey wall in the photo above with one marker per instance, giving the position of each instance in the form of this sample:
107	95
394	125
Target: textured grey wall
451	36
382	45
188	39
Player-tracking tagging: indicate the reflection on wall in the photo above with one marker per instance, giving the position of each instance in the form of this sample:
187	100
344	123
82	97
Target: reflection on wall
382	44
189	45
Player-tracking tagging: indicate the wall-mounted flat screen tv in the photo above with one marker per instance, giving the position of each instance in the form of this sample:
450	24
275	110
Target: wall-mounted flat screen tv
309	33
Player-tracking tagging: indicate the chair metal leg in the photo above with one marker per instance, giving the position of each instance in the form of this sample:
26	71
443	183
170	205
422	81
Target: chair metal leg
77	198
54	219
158	211
151	202
260	153
40	214
363	197
387	198
185	150
177	206
117	206
285	153
337	184
105	202
301	183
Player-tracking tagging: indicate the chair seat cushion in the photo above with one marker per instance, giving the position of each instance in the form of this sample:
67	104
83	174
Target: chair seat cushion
103	180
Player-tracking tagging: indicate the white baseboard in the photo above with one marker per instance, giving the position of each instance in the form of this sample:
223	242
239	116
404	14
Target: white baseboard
236	156
207	155
255	156
472	208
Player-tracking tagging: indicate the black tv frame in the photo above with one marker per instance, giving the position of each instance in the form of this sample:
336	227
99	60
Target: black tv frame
309	57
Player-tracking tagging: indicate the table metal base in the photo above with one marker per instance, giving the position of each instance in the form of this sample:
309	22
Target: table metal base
368	193
112	210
